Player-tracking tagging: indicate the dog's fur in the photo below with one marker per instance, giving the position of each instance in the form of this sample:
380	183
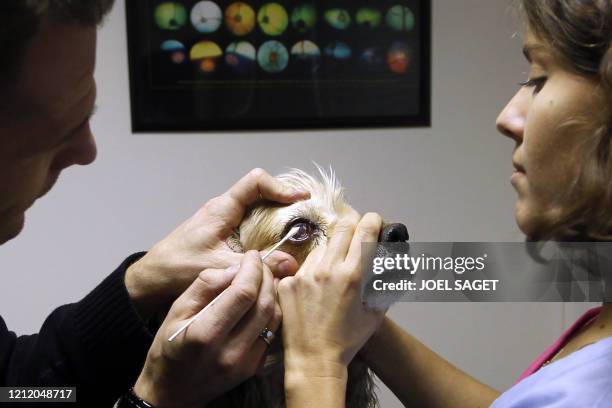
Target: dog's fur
266	224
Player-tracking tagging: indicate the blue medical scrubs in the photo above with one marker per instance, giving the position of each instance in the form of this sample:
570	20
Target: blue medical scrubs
582	379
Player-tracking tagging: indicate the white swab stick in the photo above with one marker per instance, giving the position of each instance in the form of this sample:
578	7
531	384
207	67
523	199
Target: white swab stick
290	234
188	322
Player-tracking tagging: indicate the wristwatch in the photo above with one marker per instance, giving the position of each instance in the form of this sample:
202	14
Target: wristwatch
131	400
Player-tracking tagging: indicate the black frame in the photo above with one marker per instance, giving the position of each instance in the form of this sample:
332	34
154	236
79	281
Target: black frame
148	111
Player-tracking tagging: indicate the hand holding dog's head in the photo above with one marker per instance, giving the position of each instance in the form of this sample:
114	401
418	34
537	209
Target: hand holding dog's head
267	223
264	225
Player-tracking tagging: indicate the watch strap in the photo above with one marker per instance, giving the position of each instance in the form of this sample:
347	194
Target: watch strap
131	400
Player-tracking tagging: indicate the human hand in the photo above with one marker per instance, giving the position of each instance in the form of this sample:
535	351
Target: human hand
324	320
221	348
200	243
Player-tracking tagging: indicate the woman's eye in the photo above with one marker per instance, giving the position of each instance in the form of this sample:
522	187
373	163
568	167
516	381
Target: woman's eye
536	83
305	230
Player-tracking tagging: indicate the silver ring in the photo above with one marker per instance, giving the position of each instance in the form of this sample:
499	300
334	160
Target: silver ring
267	335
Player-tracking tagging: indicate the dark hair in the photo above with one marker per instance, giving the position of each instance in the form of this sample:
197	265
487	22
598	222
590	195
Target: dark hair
580	33
20	20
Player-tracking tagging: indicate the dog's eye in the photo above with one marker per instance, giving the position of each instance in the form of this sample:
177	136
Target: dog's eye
305	232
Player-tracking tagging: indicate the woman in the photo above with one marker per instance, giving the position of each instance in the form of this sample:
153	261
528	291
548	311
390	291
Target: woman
561	121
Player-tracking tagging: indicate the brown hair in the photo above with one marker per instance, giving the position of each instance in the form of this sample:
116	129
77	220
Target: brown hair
20	20
580	33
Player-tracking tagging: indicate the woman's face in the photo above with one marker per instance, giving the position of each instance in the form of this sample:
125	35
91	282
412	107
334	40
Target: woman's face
553	112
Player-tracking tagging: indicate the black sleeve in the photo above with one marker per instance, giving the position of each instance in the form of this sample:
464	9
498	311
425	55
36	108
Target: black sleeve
98	345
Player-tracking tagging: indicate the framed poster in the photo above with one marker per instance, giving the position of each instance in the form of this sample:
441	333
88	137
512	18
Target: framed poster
280	64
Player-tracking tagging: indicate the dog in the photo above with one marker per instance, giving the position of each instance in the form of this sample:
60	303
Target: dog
264	225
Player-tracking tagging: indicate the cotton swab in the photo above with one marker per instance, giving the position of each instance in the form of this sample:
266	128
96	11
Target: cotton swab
290	234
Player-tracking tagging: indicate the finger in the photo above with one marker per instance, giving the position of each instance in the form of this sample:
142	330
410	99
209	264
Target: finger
239	298
312	261
258	184
208	285
367	230
219	216
260	351
221	258
226	211
281	264
260	348
340	240
247	331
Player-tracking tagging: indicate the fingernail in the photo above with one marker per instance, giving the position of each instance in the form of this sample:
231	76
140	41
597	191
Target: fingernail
300	193
285	267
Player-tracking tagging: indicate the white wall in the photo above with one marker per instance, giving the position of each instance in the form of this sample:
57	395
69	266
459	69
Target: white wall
449	182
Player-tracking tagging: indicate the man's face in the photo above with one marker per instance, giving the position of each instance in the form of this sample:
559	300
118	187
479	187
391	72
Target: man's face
47	127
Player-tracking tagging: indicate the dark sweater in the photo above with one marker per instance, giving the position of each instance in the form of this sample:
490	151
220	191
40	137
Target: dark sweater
98	345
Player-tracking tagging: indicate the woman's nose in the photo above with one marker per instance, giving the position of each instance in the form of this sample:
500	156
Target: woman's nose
511	120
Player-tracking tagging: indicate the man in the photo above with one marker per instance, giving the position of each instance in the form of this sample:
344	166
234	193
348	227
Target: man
47	95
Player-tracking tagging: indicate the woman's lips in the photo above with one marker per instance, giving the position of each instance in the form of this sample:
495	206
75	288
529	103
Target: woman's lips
519	173
516	176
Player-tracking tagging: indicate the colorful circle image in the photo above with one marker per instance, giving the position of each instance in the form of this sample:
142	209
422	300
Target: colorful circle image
398	58
240	57
170	16
273	57
400	18
240	18
368	17
206	16
273	19
339	19
338	50
372	58
176	51
305	49
307	54
206	55
304	17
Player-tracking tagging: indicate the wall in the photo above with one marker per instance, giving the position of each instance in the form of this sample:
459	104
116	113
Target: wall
449	182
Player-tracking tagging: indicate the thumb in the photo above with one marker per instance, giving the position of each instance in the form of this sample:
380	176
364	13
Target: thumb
208	285
281	264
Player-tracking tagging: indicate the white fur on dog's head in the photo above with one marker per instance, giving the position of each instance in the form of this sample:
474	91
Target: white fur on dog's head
267	223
